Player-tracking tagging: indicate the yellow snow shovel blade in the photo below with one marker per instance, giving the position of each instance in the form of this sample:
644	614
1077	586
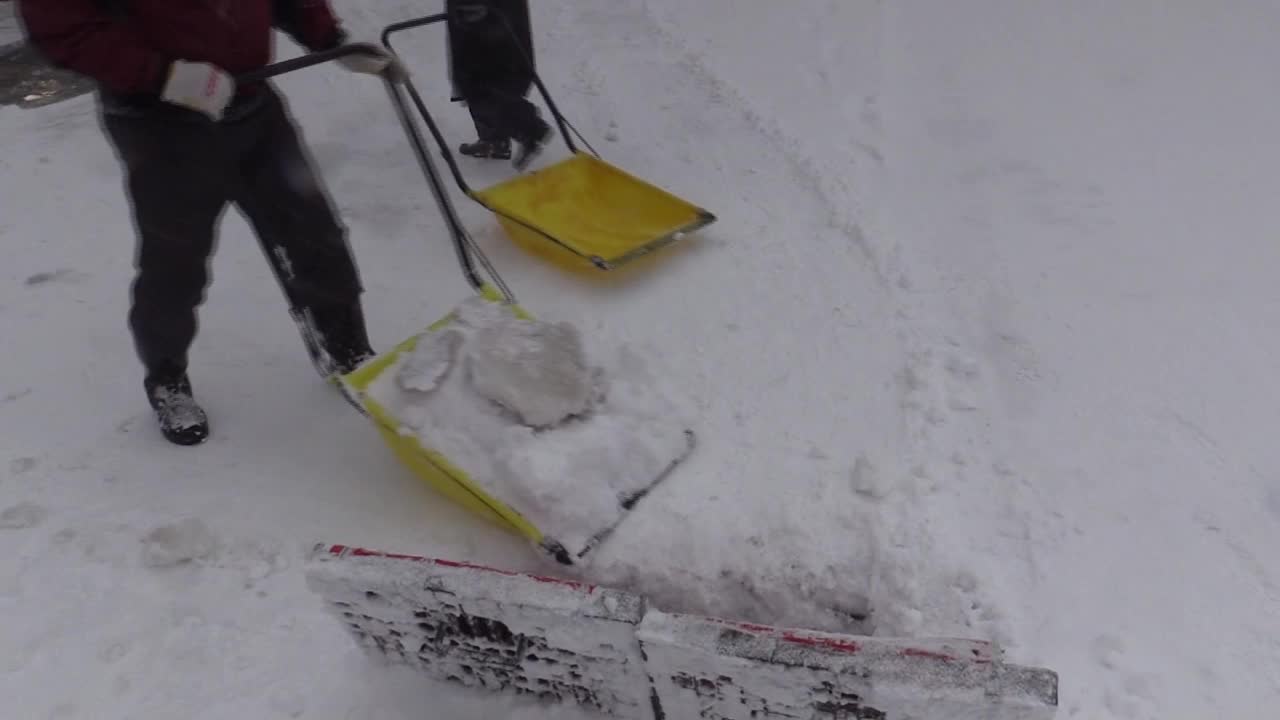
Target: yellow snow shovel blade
452	481
426	463
583	213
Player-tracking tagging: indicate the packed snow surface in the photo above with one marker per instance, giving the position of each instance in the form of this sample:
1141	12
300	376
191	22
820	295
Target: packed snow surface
983	345
9	30
513	402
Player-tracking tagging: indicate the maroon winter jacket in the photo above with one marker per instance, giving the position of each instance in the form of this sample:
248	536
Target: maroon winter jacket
127	45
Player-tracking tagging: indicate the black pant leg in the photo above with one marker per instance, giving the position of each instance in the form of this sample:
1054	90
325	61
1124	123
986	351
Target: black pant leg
491	66
176	184
282	196
502	110
482	118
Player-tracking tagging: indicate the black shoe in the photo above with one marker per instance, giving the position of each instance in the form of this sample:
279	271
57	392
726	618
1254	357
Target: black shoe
487	149
531	142
182	420
335	338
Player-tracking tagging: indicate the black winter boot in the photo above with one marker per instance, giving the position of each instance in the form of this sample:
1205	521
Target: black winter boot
182	421
531	140
487	149
336	338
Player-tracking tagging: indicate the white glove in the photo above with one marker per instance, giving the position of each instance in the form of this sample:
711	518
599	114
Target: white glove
372	64
199	86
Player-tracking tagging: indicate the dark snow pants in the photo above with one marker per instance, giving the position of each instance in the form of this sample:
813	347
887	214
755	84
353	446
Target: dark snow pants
491	66
501	112
181	173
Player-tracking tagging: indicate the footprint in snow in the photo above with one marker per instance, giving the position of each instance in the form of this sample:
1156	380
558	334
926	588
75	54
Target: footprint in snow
179	543
977	612
22	516
1128	694
866	480
17	466
962	373
44	278
1273	500
259	561
16	394
64	711
114	652
288	701
1107	651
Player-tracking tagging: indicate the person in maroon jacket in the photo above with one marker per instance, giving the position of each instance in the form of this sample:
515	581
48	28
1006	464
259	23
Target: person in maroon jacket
190	141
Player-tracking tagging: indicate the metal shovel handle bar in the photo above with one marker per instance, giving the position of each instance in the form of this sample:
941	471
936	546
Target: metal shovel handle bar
463	244
306	61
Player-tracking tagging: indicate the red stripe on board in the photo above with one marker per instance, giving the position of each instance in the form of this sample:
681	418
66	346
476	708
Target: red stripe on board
840	644
827	643
341	550
798	637
935	655
931	654
750	627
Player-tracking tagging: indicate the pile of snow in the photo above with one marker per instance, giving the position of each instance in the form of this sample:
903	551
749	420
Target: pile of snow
515	403
536	370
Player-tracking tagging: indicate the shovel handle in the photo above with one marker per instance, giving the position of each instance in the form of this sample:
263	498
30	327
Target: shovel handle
306	61
463	243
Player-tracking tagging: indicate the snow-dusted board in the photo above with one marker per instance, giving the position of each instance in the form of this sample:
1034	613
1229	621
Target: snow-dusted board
714	669
490	629
606	650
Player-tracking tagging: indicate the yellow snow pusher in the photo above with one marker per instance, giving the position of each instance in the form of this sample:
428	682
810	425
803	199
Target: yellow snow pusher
581	212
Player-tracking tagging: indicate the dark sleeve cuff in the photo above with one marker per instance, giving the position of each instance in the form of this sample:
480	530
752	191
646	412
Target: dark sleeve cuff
332	40
160	74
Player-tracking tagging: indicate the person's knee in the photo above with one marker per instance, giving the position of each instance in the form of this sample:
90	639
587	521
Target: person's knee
300	178
323	272
177	282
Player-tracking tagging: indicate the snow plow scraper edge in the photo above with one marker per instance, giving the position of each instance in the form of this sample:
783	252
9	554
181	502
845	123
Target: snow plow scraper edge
603	649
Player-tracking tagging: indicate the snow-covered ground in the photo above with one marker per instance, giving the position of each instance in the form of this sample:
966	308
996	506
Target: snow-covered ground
979	344
9	30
